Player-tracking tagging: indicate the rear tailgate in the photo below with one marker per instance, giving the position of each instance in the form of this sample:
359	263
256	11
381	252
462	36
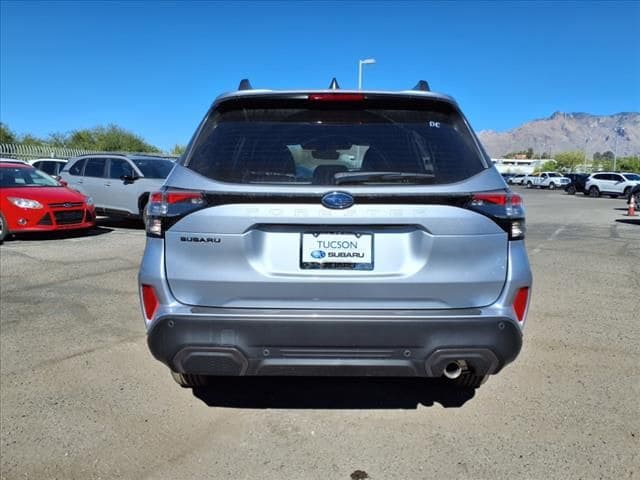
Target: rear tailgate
250	255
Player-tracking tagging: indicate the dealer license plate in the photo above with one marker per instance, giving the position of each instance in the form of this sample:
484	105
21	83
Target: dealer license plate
338	251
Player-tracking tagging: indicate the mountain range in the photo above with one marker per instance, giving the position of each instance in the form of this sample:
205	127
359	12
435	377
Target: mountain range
562	132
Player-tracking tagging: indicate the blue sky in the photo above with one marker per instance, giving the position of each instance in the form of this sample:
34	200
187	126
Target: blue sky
155	67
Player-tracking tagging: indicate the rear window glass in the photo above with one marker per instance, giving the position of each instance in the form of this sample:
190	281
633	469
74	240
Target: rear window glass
335	144
95	167
154	168
76	168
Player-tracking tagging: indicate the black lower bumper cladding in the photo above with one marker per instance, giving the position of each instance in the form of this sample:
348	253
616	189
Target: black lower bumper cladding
333	347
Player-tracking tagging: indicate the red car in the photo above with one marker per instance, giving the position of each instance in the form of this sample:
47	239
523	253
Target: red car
32	201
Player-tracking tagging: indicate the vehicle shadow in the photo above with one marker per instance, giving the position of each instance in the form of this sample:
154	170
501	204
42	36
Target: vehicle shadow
120	222
630	221
331	393
61	234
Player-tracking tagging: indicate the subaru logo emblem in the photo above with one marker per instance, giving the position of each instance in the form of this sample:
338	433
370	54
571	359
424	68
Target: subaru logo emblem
318	254
337	200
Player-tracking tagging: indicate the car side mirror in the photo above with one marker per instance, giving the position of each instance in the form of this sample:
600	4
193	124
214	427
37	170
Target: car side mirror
62	182
129	178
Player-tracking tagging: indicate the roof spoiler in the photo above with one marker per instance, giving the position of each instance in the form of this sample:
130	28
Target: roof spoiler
422	86
245	84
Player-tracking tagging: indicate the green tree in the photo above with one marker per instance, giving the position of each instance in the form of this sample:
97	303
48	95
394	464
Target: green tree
568	161
58	139
549	166
608	155
178	150
28	139
6	135
629	164
109	139
529	152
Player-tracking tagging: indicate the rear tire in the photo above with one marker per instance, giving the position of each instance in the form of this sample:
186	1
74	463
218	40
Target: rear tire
529	185
594	192
469	380
626	192
571	189
4	229
144	215
190	380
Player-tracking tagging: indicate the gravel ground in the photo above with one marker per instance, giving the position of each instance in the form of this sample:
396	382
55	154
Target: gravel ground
81	397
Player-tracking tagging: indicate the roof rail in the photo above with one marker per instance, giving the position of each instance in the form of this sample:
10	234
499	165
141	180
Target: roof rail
334	84
422	86
245	84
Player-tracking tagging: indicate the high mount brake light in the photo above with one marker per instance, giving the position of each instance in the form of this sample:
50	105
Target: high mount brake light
167	207
504	208
336	97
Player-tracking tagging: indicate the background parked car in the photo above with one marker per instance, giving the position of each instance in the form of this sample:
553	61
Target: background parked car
613	184
578	181
32	201
516	180
119	184
52	166
550	180
635	193
13	160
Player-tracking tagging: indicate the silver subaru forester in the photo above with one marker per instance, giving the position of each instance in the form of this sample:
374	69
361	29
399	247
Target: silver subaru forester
334	232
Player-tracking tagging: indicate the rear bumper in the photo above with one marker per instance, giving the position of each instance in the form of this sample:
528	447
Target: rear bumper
237	342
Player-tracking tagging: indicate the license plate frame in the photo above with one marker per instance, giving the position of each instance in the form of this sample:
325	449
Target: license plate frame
324	263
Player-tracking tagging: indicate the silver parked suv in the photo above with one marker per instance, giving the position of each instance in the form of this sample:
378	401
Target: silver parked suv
335	233
119	184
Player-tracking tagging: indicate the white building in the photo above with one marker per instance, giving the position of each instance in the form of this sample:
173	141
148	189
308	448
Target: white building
523	166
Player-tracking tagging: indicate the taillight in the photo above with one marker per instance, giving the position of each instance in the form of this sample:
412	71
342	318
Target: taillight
167	207
336	97
520	303
505	208
149	301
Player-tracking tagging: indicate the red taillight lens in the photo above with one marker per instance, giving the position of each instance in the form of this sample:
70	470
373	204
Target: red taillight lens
149	301
497	198
155	197
166	208
504	208
520	303
336	97
173	197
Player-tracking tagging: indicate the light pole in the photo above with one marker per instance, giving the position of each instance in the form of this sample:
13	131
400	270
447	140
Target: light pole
366	61
619	131
585	153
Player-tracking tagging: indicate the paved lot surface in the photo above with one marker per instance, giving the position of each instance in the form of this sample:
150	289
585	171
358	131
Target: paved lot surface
82	398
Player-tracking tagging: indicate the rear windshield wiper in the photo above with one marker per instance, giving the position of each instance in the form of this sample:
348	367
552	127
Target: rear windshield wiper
364	177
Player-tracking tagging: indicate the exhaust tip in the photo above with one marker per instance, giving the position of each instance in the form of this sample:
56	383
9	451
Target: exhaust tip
453	370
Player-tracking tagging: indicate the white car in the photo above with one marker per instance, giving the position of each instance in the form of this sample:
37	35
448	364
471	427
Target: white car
119	184
516	180
52	166
550	180
12	160
610	183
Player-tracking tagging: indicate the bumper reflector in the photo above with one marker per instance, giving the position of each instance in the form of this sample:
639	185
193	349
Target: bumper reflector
520	303
149	301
